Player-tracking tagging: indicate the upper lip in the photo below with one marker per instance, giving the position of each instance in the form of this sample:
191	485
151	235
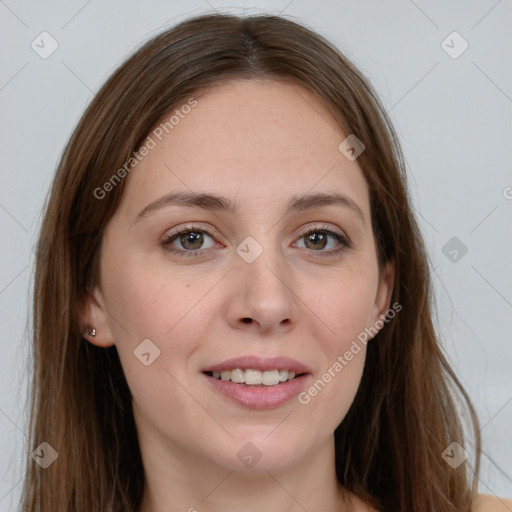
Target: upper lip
259	363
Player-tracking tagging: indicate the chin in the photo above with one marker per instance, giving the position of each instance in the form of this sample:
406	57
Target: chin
261	452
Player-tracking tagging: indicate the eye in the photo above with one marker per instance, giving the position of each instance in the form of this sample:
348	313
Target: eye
317	239
191	240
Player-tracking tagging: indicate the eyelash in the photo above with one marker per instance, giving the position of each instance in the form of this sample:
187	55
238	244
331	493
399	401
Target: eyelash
345	244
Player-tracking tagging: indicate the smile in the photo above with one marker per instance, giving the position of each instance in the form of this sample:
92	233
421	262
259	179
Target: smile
251	377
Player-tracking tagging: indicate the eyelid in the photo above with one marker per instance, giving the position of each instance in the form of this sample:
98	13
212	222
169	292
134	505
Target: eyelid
192	226
322	227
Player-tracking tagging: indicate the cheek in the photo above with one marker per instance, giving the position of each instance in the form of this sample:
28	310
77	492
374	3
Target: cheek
142	305
327	399
344	302
165	313
344	307
148	301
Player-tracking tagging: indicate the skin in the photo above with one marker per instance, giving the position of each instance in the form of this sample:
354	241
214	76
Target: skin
258	143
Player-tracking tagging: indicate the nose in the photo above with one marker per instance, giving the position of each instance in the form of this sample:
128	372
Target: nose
264	295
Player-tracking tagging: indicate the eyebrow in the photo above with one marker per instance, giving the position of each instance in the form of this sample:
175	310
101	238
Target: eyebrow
213	202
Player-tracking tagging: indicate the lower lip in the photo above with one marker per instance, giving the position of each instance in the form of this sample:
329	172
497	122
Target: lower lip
260	397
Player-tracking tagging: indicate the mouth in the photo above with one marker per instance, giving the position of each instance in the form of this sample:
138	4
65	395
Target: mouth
258	383
254	378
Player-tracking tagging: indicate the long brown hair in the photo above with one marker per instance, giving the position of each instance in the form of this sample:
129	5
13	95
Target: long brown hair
389	446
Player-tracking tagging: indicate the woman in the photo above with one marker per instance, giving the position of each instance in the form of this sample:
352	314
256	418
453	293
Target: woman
232	304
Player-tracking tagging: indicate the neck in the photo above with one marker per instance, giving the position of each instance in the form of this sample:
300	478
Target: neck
177	481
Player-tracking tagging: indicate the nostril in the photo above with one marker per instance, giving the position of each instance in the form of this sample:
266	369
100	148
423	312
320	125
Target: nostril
246	320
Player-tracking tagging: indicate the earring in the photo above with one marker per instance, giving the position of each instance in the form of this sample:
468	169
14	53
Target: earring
91	331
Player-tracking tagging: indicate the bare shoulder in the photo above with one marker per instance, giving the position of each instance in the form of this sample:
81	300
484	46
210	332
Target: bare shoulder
488	503
484	503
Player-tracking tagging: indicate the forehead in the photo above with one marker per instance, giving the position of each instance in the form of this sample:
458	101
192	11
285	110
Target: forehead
252	140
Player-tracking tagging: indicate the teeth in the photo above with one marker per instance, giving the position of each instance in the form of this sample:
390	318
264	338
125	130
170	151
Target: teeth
255	377
238	376
252	377
270	378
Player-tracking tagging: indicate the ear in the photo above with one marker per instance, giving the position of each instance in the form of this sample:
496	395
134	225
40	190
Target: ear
92	314
383	295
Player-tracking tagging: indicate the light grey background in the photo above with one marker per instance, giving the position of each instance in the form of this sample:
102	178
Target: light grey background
453	117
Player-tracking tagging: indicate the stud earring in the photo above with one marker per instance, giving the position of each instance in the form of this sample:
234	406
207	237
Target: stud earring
91	331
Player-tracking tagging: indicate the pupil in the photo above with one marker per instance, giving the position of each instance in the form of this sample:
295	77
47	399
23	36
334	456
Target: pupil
193	238
315	237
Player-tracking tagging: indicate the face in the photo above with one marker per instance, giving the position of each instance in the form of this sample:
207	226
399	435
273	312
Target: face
282	282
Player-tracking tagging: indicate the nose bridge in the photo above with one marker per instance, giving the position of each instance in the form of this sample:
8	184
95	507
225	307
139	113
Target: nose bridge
266	280
262	256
